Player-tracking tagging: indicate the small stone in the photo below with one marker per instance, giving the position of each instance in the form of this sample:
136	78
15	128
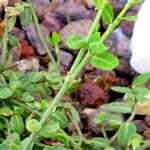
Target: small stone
140	125
91	95
26	65
65	60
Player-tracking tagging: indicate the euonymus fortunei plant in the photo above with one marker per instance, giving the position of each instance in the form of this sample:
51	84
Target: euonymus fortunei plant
47	120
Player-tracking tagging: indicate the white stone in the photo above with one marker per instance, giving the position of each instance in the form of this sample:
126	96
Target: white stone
140	42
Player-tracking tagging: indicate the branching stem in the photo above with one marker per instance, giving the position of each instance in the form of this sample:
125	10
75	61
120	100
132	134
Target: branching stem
76	68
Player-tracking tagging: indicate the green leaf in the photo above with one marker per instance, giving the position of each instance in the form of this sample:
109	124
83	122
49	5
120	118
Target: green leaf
108	13
95	44
130	18
11	22
126	130
99	143
135	141
97	47
63	138
114	120
104	61
60	118
99	118
26	17
56	38
12	40
49	130
35	77
44	104
76	42
119	107
17	125
6	111
121	89
19	110
141	79
33	125
12	142
75	114
141	93
5	92
27	97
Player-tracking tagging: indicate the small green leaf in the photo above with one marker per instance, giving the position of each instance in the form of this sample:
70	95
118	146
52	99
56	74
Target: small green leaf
119	107
108	13
76	42
130	18
17	125
99	118
114	120
121	89
104	61
63	138
33	125
99	143
35	77
141	79
49	130
12	142
97	47
11	22
19	110
135	141
56	38
126	130
5	93
26	17
27	97
60	118
6	111
95	44
12	40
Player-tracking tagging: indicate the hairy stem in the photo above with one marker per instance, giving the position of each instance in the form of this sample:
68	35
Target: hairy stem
117	20
5	41
40	36
77	128
76	68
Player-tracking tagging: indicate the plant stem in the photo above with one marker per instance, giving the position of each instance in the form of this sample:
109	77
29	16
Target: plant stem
132	114
104	133
78	130
5	41
82	51
76	68
117	20
40	36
